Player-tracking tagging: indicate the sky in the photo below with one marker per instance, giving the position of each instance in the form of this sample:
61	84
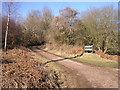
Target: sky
25	7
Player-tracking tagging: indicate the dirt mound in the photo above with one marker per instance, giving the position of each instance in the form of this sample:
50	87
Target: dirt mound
20	70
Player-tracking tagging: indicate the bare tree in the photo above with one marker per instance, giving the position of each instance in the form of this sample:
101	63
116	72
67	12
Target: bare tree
102	27
33	32
36	26
46	17
62	26
9	8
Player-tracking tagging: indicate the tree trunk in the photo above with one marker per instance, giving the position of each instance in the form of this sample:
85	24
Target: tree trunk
99	48
106	45
105	50
6	34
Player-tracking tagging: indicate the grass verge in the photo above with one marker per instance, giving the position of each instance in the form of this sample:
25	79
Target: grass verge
55	67
88	58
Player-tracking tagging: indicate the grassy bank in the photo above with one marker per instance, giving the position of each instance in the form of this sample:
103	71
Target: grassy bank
88	58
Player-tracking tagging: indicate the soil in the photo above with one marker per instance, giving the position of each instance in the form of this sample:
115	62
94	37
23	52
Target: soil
20	70
82	75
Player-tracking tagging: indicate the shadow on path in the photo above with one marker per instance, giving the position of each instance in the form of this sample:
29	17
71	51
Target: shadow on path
62	59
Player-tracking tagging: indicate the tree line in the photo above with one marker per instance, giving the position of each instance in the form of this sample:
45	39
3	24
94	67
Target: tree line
96	26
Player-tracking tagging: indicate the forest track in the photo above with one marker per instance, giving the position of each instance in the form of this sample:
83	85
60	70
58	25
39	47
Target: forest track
83	75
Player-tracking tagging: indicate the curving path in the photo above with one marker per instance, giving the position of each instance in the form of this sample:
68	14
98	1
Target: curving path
96	77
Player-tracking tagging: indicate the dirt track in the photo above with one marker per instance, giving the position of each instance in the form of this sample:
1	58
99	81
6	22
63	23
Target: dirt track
90	76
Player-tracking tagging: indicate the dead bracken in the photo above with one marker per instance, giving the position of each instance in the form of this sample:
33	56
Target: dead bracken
20	70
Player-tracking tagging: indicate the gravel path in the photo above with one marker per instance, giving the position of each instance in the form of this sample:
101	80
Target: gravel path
98	77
